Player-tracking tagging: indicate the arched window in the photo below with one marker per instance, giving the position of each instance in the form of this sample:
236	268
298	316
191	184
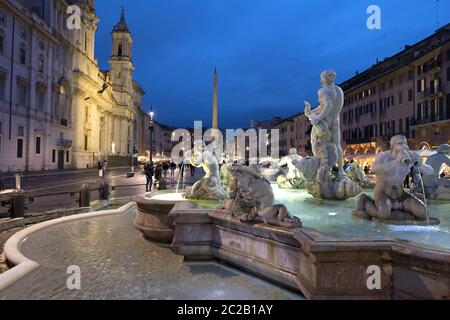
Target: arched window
23	54
120	51
40	64
62	103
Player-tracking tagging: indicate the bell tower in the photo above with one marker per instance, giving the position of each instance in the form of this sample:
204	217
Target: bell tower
121	64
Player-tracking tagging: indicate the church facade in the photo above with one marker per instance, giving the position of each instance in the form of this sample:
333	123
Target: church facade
58	110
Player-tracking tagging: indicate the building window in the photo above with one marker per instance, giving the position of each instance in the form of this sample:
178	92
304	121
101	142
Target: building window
2	44
383	86
448	55
20	131
53	156
410	95
119	51
391	84
38	145
448	73
85	142
2	86
40	100
23	55
23	33
19	148
400	98
421	85
67	156
2	18
40	64
410	74
448	106
22	93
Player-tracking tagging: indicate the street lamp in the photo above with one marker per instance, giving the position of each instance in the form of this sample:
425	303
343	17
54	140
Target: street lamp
151	133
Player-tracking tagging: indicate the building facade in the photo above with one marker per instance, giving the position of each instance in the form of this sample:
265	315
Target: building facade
407	94
57	108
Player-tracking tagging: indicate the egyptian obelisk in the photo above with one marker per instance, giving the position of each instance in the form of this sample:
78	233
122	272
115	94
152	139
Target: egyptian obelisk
215	120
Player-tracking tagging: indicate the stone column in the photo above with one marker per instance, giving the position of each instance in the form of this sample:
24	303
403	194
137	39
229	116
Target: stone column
78	127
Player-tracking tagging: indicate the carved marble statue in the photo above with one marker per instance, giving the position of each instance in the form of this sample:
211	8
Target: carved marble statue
293	179
433	188
209	187
356	173
391	202
327	151
251	199
440	158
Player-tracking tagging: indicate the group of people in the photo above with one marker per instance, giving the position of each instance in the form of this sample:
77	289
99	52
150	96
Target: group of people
157	173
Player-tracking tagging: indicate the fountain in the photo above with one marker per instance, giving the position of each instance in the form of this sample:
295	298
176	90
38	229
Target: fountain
152	217
308	240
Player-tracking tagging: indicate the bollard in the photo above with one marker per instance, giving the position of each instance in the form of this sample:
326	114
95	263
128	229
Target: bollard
18	181
85	196
103	190
17	209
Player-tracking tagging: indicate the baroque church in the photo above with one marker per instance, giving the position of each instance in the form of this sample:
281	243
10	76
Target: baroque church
58	110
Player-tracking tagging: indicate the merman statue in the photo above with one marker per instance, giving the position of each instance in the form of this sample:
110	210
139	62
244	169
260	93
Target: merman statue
209	187
391	202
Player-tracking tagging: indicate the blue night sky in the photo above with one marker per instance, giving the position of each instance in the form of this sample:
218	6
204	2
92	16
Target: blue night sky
268	53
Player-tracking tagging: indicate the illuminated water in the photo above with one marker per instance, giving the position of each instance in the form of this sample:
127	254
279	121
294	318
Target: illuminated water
116	262
334	218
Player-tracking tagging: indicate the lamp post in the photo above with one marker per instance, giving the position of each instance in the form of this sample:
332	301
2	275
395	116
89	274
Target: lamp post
151	133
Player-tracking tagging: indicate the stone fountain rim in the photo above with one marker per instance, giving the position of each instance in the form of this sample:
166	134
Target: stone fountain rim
22	264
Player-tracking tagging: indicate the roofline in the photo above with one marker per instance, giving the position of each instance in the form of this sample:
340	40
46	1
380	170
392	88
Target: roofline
409	48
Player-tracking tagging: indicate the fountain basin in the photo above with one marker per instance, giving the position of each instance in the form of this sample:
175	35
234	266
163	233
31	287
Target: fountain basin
152	215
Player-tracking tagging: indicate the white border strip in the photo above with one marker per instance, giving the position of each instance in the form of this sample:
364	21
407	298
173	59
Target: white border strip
22	264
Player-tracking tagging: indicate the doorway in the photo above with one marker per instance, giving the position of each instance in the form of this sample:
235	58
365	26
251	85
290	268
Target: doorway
61	160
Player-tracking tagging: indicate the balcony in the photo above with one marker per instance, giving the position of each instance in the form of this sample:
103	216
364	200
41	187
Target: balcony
64	143
429	120
433	91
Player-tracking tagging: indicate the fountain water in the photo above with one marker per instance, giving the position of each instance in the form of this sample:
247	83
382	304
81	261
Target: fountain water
424	197
182	166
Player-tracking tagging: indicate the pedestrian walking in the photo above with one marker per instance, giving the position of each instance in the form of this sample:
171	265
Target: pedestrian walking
158	176
149	175
105	168
173	167
165	167
192	170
